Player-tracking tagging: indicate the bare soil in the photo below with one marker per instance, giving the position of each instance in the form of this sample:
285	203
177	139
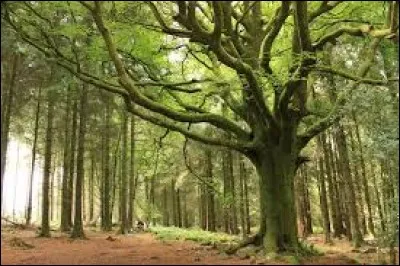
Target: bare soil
143	248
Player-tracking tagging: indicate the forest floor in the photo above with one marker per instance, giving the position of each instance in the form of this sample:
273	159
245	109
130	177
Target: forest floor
22	247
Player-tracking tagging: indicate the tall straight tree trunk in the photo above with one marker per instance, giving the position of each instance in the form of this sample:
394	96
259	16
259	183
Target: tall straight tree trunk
107	218
331	190
335	186
185	217
52	178
226	192
91	186
66	200
124	175
344	160
378	198
247	205
132	179
114	183
357	185
165	207
72	163
6	111
178	207
34	148
300	208
323	199
235	229
342	192
77	231
203	199
211	198
307	204
242	173
364	176
45	230
303	203
173	201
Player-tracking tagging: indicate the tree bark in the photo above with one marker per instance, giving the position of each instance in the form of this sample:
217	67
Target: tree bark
106	219
6	111
132	178
91	186
45	230
378	198
242	173
165	207
247	205
34	148
343	195
323	199
357	185
66	200
124	175
276	166
77	231
210	193
364	176
344	158
307	204
72	163
336	220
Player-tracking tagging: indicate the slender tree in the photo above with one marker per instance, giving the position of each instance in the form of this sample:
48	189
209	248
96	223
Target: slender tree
34	149
77	230
45	227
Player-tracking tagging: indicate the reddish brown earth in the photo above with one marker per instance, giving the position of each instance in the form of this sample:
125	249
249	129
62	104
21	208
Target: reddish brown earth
137	249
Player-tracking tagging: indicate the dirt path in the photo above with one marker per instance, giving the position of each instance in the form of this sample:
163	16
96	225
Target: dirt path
134	249
131	249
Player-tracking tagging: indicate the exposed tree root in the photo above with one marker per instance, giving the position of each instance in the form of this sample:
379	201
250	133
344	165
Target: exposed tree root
253	240
18	242
17	225
301	249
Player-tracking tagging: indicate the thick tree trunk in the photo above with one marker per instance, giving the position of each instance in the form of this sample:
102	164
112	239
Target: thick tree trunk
77	231
276	170
34	148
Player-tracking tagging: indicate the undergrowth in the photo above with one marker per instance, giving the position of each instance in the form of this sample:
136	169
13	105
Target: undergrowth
197	235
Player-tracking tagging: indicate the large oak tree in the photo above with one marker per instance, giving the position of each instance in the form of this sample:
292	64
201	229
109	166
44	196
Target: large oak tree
270	121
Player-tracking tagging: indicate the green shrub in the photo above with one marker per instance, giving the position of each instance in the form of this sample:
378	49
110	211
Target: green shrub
193	234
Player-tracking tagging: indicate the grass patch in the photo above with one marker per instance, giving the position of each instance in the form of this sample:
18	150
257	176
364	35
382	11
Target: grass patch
196	235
